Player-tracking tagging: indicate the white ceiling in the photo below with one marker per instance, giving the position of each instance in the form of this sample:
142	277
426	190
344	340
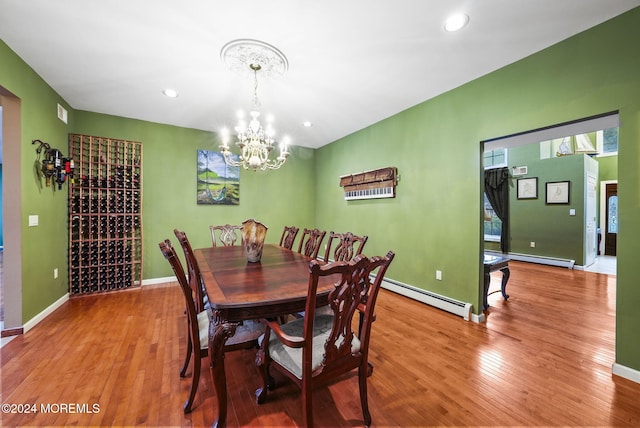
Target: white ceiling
351	62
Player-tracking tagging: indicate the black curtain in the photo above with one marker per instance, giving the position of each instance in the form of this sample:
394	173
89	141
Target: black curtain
496	186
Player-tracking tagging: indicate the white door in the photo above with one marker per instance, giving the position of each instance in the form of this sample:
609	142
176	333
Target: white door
590	235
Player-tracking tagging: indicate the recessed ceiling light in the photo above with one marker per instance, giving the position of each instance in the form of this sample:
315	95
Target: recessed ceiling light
171	93
456	22
307	124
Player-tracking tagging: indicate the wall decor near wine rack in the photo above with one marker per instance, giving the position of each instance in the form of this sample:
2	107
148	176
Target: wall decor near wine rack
105	214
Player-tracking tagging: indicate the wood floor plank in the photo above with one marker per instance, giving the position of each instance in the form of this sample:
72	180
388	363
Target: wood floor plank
542	358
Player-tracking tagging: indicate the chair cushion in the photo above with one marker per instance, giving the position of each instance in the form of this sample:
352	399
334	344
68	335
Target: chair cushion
246	332
291	358
321	310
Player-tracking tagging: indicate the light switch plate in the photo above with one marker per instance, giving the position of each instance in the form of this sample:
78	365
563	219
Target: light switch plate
572	211
33	220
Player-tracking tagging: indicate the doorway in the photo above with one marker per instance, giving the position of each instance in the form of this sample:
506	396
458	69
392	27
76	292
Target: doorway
600	129
11	211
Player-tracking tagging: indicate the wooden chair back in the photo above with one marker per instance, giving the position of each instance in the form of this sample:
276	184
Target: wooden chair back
227	235
288	236
347	246
340	348
311	241
192	315
193	270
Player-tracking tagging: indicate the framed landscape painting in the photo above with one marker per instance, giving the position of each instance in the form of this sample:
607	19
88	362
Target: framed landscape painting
217	182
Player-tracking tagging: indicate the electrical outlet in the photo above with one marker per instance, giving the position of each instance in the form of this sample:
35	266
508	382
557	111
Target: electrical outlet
533	244
439	275
55	273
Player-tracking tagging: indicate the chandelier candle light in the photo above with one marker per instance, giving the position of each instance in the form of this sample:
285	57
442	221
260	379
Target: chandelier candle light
254	141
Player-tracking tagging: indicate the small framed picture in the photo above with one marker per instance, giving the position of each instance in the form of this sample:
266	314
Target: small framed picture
528	188
557	192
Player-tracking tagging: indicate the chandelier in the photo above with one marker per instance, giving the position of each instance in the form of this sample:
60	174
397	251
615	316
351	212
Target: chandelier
254	141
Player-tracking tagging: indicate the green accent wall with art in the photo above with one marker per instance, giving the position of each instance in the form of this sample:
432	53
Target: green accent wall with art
276	198
434	223
556	233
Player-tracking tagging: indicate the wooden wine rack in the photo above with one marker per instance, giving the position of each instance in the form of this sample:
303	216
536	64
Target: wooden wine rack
105	214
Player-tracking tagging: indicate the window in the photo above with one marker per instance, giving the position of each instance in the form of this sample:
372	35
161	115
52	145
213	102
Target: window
612	220
492	225
495	158
607	141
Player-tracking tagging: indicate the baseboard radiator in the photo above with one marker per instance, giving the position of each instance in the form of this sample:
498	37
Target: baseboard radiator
441	302
543	260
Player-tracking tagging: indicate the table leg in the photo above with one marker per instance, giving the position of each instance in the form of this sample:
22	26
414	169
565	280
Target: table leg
487	281
505	278
218	335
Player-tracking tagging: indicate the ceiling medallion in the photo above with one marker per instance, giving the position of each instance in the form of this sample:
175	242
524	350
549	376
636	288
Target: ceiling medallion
239	55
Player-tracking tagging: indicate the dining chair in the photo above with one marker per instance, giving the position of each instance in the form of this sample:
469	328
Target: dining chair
227	235
194	279
288	236
321	348
310	242
347	246
246	334
197	291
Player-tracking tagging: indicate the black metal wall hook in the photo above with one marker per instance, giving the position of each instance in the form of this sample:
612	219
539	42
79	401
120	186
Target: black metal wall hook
42	145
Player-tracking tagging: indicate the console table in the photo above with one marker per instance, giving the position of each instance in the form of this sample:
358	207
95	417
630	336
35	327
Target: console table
492	264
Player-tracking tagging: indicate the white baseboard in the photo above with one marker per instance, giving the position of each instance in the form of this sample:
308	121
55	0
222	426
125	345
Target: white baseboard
156	281
543	260
445	303
626	372
42	315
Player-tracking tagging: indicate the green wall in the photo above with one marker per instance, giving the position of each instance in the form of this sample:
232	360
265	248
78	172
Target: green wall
44	247
608	167
1	216
555	232
276	198
435	221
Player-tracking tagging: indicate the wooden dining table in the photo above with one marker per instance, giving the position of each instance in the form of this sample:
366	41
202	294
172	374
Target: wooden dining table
239	290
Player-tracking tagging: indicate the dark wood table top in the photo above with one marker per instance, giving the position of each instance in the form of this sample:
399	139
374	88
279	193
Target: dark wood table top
239	290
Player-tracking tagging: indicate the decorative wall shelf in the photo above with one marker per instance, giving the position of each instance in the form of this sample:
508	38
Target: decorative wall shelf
374	184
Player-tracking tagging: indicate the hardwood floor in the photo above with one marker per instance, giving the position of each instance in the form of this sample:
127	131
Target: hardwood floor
542	358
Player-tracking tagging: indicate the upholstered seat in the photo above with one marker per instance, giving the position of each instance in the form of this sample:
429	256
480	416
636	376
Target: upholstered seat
320	347
248	331
291	358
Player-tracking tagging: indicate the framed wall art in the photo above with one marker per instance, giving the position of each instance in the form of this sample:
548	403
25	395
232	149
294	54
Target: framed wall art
528	188
557	192
218	183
